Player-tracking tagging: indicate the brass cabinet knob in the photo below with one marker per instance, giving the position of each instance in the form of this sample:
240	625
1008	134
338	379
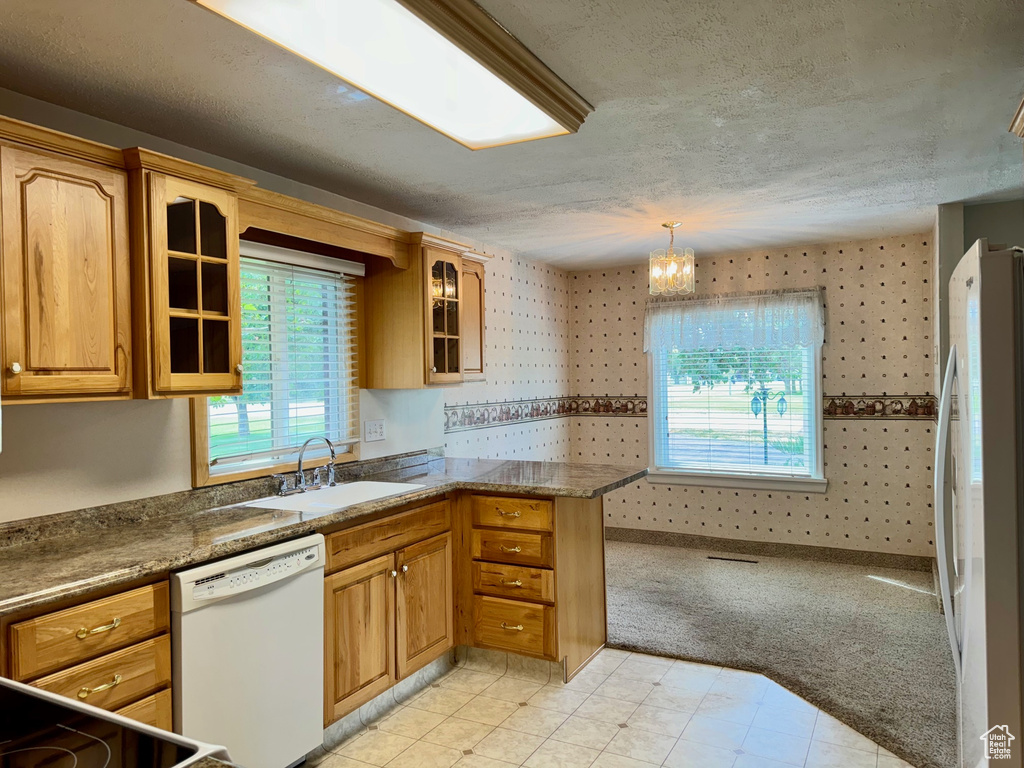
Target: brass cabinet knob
15	368
405	569
394	574
433	369
239	368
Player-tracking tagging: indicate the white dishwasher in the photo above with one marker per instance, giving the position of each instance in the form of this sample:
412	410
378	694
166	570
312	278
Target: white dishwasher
248	639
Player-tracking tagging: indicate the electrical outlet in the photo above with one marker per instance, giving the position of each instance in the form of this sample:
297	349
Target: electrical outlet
373	431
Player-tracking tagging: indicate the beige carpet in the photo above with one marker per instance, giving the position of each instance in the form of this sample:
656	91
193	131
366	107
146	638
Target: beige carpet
867	645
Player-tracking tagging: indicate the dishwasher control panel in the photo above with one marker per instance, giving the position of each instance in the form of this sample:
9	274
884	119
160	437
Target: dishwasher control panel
260	572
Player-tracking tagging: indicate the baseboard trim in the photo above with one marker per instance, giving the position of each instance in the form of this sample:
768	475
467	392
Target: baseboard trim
770	549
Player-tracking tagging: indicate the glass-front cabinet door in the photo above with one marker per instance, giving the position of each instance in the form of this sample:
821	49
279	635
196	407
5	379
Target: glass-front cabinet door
444	297
194	282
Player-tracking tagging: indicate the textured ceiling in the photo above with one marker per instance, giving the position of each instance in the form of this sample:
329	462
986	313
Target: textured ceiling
755	124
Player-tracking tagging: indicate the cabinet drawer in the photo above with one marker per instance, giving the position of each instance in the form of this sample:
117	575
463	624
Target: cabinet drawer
525	514
515	581
511	625
61	639
135	672
512	547
370	540
155	710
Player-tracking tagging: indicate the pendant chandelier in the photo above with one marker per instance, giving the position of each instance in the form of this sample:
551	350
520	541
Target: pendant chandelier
672	269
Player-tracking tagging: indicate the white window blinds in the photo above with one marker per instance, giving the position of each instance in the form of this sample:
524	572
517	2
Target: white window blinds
299	379
735	384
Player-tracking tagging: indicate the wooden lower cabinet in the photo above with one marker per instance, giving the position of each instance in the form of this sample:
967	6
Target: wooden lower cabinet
514	625
383	620
156	710
359	635
57	640
117	679
113	652
426	610
532	577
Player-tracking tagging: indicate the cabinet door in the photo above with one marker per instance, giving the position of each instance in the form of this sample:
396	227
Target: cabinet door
426	603
359	635
195	288
66	283
444	314
472	320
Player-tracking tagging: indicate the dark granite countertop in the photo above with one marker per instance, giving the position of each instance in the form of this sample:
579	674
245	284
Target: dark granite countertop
73	554
212	762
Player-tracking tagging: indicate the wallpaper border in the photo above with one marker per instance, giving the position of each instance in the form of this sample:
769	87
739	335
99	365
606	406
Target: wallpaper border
468	416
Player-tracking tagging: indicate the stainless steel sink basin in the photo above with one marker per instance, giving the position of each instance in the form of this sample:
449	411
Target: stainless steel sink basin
337	497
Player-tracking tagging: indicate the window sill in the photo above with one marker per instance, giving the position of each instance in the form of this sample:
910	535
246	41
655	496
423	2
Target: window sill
753	482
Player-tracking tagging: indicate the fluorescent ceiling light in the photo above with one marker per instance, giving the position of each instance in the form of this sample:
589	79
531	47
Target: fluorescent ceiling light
382	48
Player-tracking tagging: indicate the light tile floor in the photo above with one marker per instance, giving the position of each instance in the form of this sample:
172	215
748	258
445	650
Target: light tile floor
626	710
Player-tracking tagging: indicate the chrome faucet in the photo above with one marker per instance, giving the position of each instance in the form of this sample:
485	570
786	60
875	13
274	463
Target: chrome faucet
300	476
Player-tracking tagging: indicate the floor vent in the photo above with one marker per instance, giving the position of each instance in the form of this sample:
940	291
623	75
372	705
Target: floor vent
732	559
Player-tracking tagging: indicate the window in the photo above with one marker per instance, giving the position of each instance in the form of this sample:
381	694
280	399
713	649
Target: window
736	390
299	375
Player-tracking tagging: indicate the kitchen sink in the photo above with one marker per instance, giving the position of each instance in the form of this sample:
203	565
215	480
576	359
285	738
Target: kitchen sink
336	497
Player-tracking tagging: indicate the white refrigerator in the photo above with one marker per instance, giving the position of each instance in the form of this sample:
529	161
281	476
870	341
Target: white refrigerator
979	530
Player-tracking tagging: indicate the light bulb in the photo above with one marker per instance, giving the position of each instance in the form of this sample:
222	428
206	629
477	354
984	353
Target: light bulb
672	267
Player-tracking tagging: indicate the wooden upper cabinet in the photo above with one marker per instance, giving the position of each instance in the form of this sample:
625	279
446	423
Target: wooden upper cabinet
472	320
66	278
443	272
194	288
187	289
424	323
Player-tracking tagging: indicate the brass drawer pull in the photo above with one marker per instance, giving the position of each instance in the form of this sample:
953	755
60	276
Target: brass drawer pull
511	550
517	628
84	633
516	583
84	693
503	513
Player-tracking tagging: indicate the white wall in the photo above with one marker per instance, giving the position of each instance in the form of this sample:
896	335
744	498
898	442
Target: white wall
413	420
65	456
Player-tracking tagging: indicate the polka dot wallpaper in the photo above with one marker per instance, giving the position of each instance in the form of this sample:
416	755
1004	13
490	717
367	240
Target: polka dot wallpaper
878	299
526	308
552	334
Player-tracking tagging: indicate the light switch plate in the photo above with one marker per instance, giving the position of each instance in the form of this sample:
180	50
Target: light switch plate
373	431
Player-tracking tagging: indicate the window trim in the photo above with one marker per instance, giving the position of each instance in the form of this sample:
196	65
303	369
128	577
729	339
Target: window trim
816	483
199	413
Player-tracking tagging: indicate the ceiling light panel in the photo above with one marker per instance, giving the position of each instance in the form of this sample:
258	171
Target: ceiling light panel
384	49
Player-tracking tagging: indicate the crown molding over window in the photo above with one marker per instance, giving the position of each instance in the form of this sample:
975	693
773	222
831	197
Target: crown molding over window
480	35
274	212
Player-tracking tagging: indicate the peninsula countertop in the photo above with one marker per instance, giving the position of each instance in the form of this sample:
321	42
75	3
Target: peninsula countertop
105	550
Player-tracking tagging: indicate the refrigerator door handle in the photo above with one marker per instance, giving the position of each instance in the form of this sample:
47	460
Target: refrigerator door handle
944	553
